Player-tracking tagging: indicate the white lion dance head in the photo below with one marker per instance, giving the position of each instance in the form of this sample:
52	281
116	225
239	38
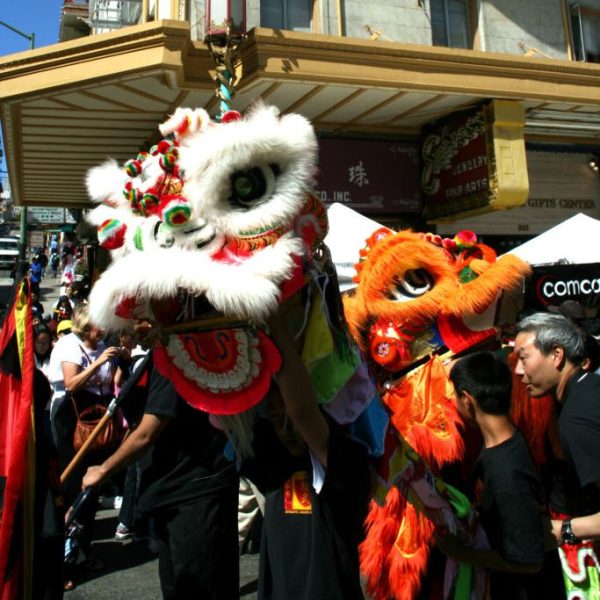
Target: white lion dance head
216	220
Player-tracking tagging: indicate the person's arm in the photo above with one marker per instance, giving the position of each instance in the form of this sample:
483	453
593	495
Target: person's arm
129	451
454	548
584	528
75	377
297	392
520	547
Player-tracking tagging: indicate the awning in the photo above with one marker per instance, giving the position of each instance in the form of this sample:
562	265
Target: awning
67	107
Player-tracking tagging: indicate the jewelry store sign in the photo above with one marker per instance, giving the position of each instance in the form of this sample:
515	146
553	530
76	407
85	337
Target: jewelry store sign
475	163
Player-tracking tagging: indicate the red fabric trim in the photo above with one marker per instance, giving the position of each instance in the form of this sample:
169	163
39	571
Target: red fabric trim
229	403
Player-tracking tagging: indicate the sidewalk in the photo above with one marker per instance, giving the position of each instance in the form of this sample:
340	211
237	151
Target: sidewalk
49	291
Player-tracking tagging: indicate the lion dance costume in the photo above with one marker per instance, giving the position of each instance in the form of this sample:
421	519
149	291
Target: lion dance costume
418	295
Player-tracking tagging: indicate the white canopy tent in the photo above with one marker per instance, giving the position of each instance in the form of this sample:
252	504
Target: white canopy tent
575	241
348	232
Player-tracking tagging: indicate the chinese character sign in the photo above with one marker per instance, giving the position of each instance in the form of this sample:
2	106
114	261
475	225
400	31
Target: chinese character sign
370	176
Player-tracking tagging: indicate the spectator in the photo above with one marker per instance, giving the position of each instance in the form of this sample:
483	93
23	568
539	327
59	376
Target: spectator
35	274
571	309
83	365
63	309
43	260
64	327
80	268
133	393
80	291
507	487
54	264
591	354
67	278
550	349
52	324
42	348
36	305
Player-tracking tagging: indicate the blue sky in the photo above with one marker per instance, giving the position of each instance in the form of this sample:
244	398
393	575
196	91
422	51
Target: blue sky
41	17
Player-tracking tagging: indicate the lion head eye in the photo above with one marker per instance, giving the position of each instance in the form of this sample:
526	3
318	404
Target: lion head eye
413	283
252	186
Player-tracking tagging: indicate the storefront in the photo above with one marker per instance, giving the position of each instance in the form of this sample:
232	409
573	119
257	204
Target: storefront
562	183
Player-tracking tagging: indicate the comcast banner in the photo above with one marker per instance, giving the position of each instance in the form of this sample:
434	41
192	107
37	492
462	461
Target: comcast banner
552	285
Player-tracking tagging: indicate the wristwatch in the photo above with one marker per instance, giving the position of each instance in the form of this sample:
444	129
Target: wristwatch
566	533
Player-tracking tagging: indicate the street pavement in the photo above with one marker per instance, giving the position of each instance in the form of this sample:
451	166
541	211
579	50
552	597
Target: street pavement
130	567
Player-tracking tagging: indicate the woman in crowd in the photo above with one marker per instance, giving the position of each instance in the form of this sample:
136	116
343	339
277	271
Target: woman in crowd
82	374
42	348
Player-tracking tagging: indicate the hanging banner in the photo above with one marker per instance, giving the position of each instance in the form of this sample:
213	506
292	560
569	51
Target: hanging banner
475	163
370	176
552	285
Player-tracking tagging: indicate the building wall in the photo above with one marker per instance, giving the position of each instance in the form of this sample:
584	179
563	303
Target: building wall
252	14
537	24
532	27
399	20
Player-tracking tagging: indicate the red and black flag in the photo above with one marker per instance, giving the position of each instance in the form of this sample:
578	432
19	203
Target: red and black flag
17	455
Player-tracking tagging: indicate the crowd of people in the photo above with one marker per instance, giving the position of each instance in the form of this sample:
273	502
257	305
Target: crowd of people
78	369
178	479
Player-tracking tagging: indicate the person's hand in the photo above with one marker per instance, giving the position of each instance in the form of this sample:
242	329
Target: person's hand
94	476
110	353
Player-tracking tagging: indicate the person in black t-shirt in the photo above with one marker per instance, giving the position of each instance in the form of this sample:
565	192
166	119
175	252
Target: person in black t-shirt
190	488
550	349
316	483
506	485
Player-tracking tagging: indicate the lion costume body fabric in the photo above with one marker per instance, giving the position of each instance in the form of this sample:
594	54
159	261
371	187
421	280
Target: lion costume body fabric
418	295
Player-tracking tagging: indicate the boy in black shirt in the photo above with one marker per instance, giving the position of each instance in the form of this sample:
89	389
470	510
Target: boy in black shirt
506	483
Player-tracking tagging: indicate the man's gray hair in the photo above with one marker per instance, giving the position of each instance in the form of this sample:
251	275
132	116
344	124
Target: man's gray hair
554	330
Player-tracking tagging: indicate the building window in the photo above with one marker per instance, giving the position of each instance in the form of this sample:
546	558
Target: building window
585	32
450	23
295	15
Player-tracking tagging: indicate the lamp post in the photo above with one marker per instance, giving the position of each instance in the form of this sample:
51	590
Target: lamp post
225	31
23	222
